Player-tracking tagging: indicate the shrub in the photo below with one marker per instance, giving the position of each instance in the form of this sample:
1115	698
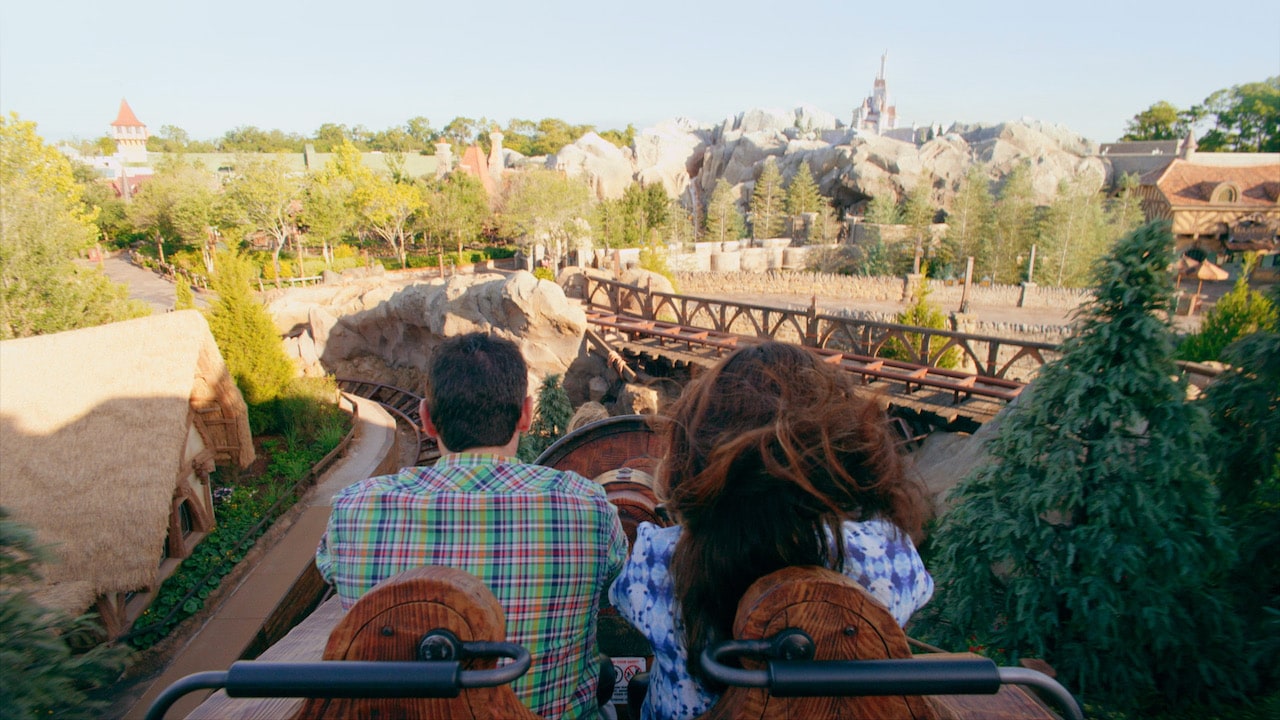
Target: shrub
1239	312
921	313
550	419
1092	536
246	334
42	676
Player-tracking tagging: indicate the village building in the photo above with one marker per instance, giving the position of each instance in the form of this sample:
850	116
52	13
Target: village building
108	436
1219	204
130	135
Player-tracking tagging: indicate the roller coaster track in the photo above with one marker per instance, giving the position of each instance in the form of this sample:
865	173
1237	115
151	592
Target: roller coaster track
403	405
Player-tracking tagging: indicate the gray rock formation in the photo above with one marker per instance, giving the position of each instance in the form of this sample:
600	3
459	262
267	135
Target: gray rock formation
383	330
688	159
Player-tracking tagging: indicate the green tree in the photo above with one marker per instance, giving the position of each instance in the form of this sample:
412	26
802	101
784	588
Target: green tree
724	219
1074	232
917	214
922	314
969	222
44	225
184	298
883	210
1161	121
1092	537
803	197
767	202
457	210
245	333
265	196
179	204
550	419
43	677
249	139
1013	227
1246	118
545	206
329	213
622	138
390	208
1239	312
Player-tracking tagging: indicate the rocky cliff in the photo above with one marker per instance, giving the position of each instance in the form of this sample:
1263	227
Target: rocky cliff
688	158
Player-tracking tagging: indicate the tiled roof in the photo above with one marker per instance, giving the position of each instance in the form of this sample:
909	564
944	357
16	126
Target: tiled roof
126	118
1186	183
475	163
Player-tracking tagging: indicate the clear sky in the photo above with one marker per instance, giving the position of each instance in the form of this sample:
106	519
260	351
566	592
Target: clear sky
210	67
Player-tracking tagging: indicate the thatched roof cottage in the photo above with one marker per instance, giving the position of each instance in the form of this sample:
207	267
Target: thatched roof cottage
107	438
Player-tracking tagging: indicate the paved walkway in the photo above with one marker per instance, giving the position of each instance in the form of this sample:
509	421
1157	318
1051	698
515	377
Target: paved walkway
234	626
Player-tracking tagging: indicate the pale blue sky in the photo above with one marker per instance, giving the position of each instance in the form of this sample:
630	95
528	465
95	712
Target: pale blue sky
209	67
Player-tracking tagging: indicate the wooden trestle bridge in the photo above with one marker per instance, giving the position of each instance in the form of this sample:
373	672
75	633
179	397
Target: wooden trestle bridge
635	325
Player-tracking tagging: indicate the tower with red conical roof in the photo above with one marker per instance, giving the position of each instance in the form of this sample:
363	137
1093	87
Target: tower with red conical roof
130	135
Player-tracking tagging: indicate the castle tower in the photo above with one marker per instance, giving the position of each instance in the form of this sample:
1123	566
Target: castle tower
130	135
875	114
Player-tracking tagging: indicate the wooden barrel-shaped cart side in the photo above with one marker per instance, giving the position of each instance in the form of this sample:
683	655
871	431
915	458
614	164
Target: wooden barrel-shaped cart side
622	454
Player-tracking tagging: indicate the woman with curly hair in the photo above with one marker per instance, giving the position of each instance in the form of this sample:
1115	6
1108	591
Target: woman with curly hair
773	459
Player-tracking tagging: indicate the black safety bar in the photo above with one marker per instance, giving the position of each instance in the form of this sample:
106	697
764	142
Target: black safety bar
426	678
789	672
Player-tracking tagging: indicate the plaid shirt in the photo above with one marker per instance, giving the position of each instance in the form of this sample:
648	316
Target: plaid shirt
546	542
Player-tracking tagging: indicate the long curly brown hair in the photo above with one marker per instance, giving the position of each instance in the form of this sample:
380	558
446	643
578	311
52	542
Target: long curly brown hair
767	453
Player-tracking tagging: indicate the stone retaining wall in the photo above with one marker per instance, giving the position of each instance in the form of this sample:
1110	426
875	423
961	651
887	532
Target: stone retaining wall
884	289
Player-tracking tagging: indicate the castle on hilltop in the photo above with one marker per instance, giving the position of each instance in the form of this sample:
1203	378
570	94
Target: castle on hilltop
875	114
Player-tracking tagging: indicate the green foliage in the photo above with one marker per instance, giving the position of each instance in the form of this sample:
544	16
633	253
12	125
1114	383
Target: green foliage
1244	409
550	419
262	196
545	205
42	676
883	210
184	298
767	201
544	273
1013	228
44	225
802	193
1246	118
1238	313
969	223
641	215
724	219
1092	537
246	334
1161	121
457	210
923	314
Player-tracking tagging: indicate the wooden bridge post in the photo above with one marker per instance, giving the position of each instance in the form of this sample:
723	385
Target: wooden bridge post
811	323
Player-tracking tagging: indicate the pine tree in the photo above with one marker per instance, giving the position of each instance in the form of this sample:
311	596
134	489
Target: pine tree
802	194
724	220
1092	537
246	334
767	202
969	223
883	210
1240	312
550	419
1013	226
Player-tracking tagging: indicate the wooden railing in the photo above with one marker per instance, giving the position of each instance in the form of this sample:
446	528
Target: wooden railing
982	355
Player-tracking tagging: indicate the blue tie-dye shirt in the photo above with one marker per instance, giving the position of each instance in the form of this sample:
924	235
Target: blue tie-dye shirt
877	555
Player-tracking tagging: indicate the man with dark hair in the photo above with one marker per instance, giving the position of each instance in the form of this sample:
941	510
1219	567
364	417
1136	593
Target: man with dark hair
546	542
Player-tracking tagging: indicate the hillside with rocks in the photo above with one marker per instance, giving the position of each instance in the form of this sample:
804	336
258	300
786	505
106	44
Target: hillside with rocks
688	158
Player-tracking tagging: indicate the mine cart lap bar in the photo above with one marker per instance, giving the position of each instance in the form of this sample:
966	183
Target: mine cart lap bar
812	642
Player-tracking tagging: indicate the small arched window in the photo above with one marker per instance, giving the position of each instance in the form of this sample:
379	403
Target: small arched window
1226	193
